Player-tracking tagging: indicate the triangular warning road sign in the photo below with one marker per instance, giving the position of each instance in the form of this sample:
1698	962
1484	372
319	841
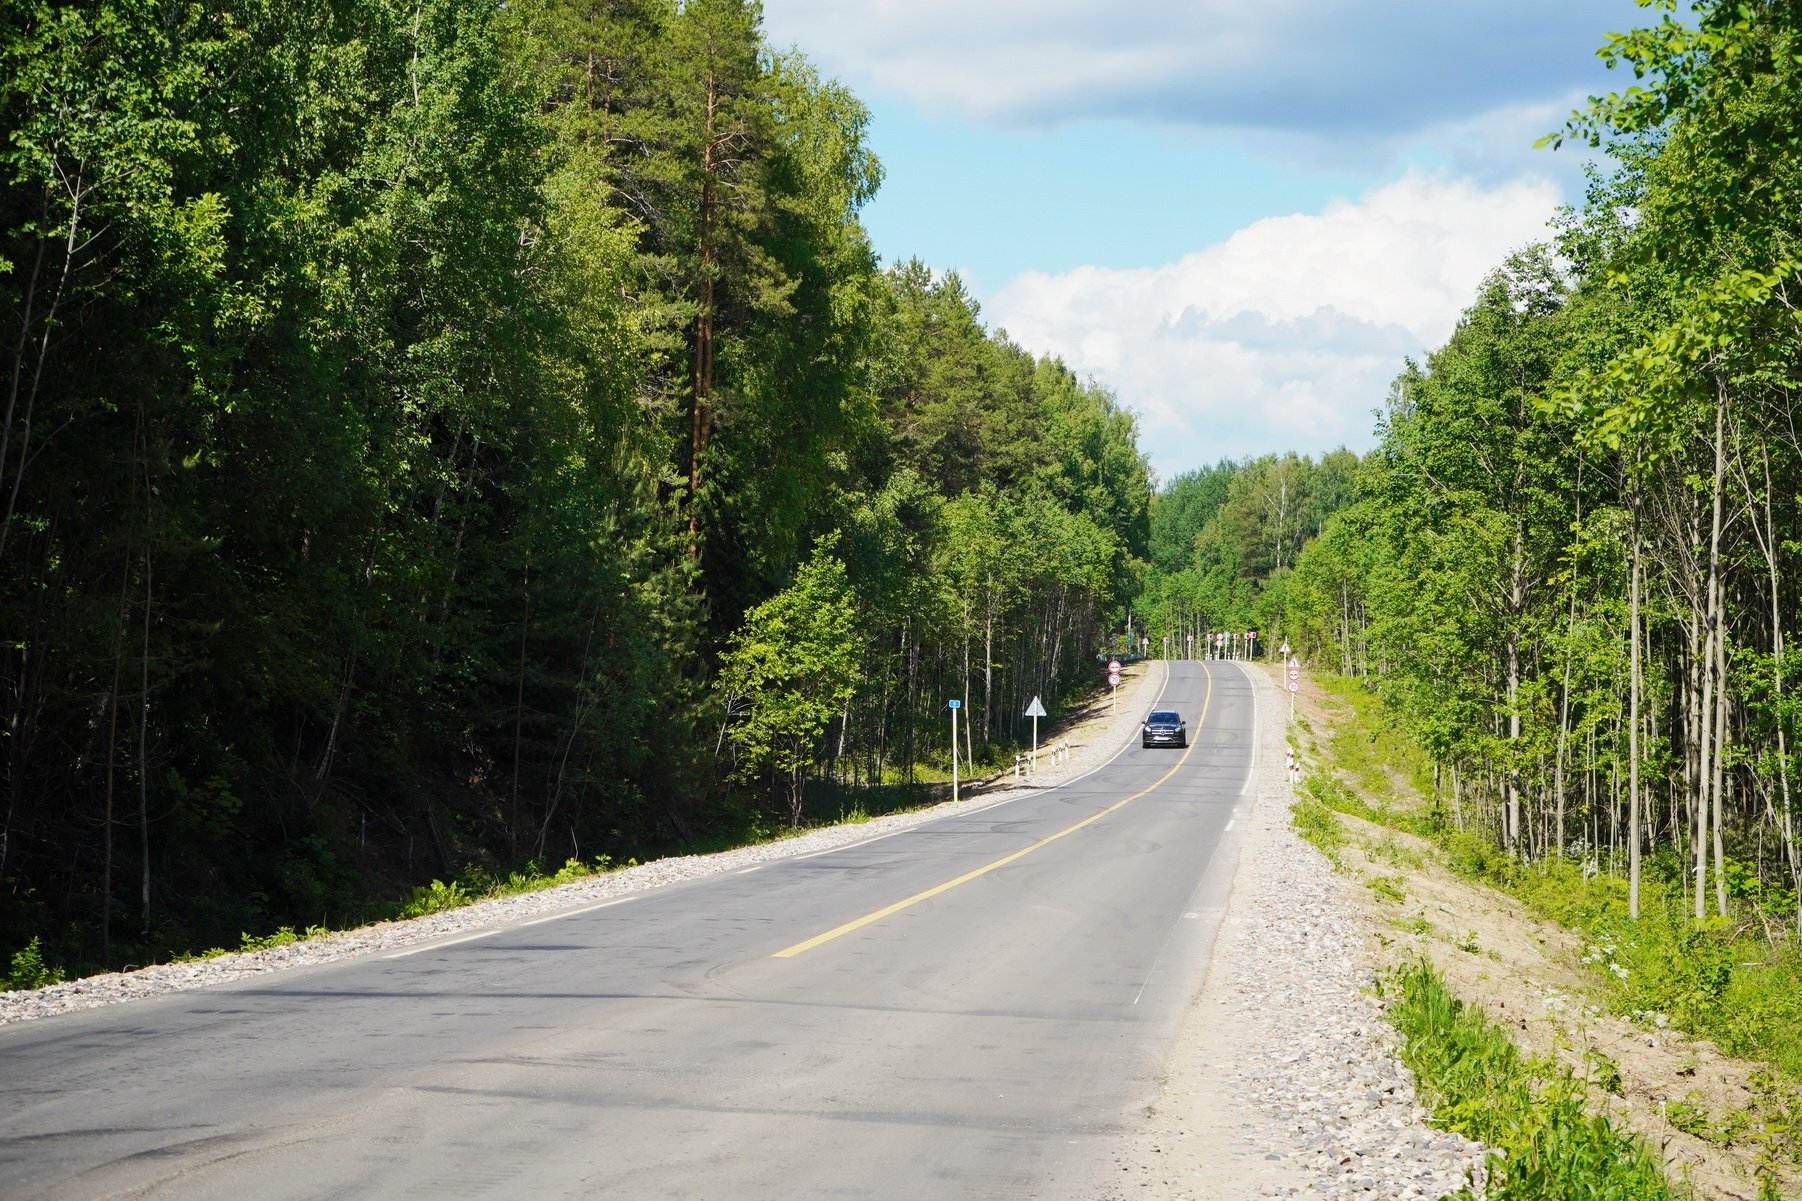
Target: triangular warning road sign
1036	709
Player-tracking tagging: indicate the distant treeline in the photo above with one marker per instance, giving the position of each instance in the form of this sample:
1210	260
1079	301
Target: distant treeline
1224	540
443	435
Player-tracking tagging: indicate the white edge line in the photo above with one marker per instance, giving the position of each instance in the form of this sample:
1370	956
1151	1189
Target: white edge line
551	917
849	846
1124	747
1231	823
439	946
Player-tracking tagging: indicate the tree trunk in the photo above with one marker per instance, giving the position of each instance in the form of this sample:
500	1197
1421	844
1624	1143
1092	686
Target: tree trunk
1635	688
988	668
1563	732
1511	827
144	750
700	415
519	707
71	242
1707	722
1769	539
1716	786
112	765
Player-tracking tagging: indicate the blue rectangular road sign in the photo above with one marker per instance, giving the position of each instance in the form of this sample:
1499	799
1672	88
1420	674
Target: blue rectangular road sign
954	703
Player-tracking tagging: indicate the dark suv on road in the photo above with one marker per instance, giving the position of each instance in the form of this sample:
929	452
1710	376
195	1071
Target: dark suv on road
1165	727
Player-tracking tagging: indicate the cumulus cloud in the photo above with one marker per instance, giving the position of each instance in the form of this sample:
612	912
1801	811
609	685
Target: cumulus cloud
1288	333
1375	69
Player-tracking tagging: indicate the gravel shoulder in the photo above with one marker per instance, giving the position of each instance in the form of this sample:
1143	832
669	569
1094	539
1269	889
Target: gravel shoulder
1095	733
1284	1081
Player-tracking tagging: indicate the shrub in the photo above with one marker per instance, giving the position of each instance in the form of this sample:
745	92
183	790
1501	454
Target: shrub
29	969
436	897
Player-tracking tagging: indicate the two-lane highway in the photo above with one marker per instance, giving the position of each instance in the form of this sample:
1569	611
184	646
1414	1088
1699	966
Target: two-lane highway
967	1008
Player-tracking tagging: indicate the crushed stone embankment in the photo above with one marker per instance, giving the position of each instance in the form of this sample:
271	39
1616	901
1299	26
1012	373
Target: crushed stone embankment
1284	1081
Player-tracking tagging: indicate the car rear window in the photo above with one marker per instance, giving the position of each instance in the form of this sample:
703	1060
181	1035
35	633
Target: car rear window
1163	715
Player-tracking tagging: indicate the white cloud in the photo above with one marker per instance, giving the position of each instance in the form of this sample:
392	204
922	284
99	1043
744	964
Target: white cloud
1375	69
1286	334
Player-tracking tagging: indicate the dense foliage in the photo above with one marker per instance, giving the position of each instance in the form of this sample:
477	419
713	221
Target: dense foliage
1572	566
440	436
1225	541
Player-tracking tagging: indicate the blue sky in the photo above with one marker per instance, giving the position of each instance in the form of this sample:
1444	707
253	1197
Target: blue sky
995	202
1241	218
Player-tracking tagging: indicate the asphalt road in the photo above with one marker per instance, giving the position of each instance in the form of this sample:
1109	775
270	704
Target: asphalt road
973	1007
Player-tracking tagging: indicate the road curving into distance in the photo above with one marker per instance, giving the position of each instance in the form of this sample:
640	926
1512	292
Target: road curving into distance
972	1007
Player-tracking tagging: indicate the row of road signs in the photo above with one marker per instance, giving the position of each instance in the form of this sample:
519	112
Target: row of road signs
1035	711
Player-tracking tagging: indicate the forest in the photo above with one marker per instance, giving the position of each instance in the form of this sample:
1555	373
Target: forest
444	438
1570	565
1225	540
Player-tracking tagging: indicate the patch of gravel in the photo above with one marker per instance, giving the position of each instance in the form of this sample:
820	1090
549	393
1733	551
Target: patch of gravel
1316	1055
1097	735
1296	1090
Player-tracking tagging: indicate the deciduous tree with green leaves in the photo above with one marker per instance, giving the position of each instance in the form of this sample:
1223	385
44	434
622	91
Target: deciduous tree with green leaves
790	670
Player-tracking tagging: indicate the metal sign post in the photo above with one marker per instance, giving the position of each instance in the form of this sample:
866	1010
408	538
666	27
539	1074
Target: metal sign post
953	704
1294	683
1035	711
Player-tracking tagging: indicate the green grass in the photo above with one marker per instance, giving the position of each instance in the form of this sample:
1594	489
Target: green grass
1368	746
1388	887
253	942
1721	980
1316	823
1545	1142
1332	792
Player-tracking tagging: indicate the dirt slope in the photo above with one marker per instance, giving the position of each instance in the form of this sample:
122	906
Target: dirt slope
1528	974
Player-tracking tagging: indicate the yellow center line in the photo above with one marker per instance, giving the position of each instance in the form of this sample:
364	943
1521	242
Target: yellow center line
947	886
